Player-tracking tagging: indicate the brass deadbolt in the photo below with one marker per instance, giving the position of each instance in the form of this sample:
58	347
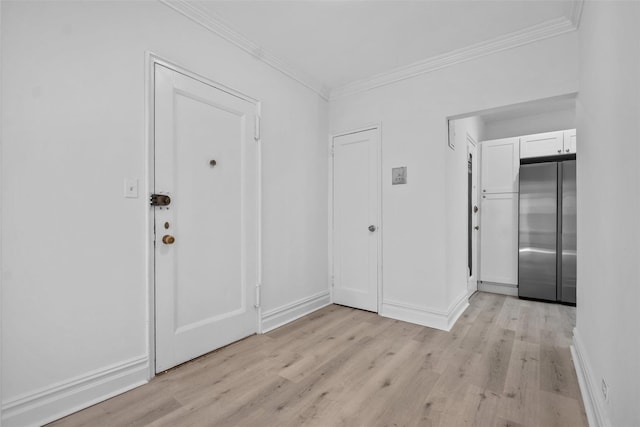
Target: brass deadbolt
168	239
213	163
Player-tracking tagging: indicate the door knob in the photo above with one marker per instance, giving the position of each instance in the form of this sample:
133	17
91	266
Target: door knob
168	239
372	228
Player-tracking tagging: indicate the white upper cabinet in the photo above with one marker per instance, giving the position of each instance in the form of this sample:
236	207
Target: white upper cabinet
542	144
500	163
570	141
548	144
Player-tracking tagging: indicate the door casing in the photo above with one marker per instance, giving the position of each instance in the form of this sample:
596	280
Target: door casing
472	280
150	61
380	227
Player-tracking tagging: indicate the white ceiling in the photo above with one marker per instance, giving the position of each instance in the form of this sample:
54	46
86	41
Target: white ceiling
339	42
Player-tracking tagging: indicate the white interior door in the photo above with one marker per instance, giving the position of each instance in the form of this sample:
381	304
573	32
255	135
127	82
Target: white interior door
206	161
356	219
474	223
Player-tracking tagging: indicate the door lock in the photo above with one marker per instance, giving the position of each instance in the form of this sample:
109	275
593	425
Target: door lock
160	200
372	228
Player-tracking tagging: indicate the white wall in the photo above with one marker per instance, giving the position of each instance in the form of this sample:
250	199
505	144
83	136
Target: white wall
419	233
74	280
607	335
531	124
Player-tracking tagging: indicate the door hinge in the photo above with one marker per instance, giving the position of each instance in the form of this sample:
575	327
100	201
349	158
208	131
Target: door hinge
257	303
257	129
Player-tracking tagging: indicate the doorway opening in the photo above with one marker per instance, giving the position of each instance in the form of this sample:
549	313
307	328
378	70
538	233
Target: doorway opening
488	171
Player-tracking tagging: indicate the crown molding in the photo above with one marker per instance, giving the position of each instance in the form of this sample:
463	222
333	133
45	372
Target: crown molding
216	26
545	30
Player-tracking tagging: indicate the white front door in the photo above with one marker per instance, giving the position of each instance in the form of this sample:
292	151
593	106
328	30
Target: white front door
206	239
356	219
473	217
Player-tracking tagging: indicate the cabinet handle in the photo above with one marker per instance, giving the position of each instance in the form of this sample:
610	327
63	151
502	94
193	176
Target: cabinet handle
559	151
567	150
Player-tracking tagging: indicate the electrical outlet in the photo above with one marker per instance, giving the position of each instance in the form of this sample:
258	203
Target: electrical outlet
605	390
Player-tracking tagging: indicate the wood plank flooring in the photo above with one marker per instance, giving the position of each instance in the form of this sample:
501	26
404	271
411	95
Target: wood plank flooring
505	363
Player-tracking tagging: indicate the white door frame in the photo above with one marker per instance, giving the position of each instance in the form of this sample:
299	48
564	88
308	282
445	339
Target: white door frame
151	59
475	177
378	128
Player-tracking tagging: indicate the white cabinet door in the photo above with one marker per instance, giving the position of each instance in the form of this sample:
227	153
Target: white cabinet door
541	144
500	164
570	141
499	238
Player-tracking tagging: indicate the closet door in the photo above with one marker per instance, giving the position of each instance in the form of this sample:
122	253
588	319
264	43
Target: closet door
499	238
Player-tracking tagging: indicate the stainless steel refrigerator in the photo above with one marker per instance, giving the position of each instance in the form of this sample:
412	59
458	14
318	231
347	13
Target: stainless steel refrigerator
547	231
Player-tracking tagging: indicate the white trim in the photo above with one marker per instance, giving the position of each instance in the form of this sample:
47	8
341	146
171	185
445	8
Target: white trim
350	131
377	127
277	317
498	288
456	309
544	30
576	12
214	24
330	219
593	400
149	114
58	400
151	60
433	318
1	216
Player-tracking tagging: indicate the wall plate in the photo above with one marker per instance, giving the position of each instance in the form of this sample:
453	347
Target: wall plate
399	175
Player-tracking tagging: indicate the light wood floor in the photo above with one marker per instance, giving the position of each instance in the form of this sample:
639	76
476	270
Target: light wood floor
505	363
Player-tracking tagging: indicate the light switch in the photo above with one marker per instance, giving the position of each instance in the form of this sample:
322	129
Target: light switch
131	188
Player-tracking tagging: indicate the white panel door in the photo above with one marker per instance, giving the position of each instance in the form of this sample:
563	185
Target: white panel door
206	161
500	165
356	219
499	238
541	144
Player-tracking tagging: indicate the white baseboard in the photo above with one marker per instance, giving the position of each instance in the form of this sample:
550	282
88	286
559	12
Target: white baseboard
498	288
433	318
594	404
456	309
277	317
61	399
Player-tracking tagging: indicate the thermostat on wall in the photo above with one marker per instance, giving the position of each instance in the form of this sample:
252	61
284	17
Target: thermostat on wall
399	175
